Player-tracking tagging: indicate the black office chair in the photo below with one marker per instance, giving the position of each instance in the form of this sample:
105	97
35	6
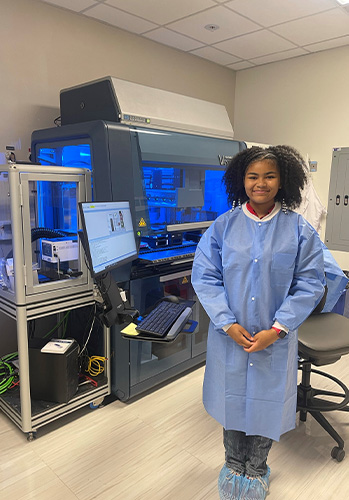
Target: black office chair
323	340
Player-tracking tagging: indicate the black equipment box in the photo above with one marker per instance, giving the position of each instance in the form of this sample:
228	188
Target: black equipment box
53	377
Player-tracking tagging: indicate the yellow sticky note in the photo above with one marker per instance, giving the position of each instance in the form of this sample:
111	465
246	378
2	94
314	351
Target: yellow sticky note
130	330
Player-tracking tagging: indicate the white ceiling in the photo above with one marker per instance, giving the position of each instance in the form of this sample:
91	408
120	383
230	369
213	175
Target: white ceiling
249	33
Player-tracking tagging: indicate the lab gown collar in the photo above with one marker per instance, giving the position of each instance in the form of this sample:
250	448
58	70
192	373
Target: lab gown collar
268	217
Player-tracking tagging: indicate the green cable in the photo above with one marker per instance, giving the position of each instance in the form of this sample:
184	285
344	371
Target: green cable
58	325
6	370
9	357
9	374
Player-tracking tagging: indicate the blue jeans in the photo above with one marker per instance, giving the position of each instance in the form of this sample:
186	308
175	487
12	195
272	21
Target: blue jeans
246	454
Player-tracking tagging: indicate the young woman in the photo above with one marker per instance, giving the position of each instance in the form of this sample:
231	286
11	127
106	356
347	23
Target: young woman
258	272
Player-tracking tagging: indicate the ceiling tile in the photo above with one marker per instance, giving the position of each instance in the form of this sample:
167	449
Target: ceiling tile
255	44
120	19
76	6
280	56
259	31
270	12
215	55
162	11
230	24
317	28
241	65
168	37
328	44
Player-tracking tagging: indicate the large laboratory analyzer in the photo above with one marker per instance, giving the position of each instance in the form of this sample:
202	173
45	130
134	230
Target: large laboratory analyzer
165	153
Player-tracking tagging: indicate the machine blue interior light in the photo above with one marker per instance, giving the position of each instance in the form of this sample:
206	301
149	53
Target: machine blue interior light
57	206
181	194
172	180
77	155
70	155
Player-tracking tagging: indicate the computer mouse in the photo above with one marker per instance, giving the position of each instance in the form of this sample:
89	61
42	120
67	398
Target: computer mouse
172	298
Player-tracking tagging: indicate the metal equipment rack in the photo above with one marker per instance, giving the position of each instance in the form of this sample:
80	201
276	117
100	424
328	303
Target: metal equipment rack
25	299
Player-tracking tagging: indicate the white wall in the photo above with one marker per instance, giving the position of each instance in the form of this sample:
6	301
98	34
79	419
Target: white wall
44	49
303	102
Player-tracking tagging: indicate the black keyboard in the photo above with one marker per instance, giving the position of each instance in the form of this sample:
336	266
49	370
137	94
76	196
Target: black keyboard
167	319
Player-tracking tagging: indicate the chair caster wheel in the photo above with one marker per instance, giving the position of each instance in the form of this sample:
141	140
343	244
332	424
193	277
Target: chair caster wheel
338	453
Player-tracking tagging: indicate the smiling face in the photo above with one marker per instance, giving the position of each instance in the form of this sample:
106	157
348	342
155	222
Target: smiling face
262	182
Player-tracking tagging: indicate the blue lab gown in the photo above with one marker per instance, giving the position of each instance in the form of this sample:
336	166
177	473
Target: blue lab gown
254	272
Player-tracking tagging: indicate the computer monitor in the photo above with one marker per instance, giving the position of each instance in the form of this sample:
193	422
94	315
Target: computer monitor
108	236
109	242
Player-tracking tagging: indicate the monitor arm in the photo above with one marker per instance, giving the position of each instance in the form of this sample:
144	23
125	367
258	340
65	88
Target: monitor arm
116	310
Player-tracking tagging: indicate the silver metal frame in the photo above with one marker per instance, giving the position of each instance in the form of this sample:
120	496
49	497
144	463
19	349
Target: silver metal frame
30	301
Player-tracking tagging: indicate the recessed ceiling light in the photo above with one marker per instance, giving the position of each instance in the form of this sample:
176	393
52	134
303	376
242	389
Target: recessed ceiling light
343	2
214	27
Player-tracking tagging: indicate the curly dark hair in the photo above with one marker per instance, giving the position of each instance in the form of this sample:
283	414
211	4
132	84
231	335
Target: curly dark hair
291	166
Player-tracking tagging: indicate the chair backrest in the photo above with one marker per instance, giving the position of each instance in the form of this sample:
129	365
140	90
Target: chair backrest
322	303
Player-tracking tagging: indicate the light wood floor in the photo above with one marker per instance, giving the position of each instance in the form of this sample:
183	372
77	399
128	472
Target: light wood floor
162	446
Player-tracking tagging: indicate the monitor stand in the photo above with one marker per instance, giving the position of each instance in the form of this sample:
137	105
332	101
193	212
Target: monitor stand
116	310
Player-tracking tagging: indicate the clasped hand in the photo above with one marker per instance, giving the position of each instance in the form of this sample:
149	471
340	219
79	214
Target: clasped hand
260	341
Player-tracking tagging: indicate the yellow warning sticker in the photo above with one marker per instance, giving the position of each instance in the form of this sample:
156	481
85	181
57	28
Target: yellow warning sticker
185	280
142	223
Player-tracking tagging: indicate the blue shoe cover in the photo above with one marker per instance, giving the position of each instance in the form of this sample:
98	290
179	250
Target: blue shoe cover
255	488
229	484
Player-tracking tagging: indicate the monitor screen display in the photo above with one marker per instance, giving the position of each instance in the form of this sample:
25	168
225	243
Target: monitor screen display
108	236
